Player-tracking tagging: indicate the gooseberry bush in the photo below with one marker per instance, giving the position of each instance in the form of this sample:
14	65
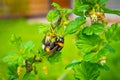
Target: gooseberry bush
93	42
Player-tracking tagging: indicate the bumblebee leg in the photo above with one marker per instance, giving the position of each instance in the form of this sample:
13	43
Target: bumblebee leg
59	48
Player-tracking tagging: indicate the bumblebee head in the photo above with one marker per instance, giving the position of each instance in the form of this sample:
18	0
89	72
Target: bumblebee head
60	39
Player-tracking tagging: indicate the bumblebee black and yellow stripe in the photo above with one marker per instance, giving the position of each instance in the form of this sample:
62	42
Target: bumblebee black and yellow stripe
60	44
47	49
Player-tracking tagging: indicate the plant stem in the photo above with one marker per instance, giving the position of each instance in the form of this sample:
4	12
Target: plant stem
29	67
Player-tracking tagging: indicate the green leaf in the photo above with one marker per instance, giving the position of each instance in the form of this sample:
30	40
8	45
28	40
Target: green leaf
110	11
77	2
56	57
30	76
72	32
12	57
57	6
86	71
89	1
52	15
28	45
74	25
82	8
79	8
113	33
28	49
95	28
87	43
94	1
102	1
104	51
90	56
43	28
75	8
41	51
12	71
104	67
66	11
16	40
96	56
72	64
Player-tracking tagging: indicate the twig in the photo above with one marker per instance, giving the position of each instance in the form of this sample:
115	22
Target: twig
28	66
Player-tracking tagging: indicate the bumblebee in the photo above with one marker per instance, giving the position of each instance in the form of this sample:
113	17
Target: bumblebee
52	44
